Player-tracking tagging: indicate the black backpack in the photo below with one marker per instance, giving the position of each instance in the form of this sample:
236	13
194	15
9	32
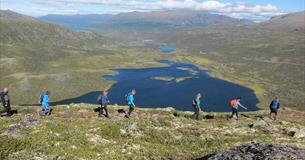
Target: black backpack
1	97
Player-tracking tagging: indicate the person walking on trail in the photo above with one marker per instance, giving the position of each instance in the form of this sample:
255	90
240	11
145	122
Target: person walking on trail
103	101
5	99
131	102
46	109
196	104
235	104
274	107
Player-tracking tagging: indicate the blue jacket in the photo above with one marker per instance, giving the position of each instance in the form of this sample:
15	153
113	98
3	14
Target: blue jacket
104	100
130	100
274	105
45	101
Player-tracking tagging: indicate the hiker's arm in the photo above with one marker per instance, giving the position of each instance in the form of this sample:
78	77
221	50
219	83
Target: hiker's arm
242	106
133	104
278	105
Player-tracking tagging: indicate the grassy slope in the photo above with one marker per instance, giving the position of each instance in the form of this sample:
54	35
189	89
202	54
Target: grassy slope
75	132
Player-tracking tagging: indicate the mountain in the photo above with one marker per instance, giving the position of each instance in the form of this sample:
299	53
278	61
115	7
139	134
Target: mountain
143	20
174	18
8	14
16	27
76	22
289	21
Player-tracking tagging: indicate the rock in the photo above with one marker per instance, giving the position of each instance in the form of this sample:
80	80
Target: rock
127	148
132	130
28	122
14	133
97	139
300	133
291	131
263	125
258	124
284	122
82	110
260	151
267	119
167	109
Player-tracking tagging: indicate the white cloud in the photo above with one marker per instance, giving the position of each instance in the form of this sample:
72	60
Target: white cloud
82	1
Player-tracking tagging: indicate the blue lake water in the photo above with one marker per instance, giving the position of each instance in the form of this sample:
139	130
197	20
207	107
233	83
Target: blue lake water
166	48
172	86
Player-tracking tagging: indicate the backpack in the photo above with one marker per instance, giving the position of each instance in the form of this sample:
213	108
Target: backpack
127	97
1	96
42	94
232	103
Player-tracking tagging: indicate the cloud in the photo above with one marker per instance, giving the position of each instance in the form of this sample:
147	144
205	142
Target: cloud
110	2
236	10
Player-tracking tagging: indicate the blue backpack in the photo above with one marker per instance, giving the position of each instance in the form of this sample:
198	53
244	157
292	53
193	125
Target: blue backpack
127	97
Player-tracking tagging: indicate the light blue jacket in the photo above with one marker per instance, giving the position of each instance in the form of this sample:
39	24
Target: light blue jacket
45	101
130	100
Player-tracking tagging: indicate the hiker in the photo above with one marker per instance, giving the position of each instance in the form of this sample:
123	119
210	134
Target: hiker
46	110
103	101
196	104
5	99
234	104
130	101
274	107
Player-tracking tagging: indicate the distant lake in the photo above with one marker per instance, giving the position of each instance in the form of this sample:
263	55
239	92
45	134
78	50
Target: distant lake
166	48
172	86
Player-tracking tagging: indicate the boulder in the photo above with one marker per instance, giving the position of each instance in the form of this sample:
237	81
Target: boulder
260	151
264	126
299	133
291	131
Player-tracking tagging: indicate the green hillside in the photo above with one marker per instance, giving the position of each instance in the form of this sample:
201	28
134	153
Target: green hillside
75	132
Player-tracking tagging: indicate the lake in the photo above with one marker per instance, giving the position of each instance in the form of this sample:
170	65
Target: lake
172	86
166	48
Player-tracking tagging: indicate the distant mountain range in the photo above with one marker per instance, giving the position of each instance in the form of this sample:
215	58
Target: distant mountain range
177	18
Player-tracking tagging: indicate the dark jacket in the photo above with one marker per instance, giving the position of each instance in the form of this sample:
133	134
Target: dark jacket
5	99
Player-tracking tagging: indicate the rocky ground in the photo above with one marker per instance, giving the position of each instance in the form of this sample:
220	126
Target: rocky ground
76	132
258	151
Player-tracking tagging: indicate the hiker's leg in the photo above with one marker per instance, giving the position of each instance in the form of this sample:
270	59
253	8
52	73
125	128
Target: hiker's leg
197	113
232	114
106	110
9	110
101	110
275	115
130	110
236	114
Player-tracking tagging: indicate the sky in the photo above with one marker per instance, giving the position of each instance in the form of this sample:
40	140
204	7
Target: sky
256	10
